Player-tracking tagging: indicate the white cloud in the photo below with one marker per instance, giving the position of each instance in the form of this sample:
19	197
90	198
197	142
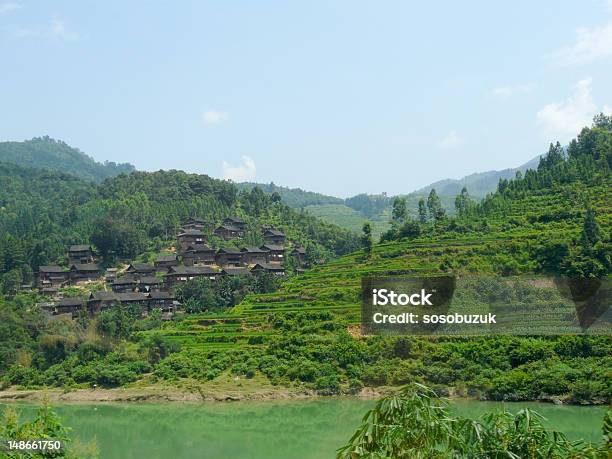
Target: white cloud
563	120
214	117
244	172
451	140
511	90
591	44
7	7
56	30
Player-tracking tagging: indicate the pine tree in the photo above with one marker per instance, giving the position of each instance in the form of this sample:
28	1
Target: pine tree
422	211
590	231
435	206
399	212
366	239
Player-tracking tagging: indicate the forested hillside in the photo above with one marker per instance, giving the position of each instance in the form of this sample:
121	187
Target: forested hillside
55	155
293	197
42	212
556	220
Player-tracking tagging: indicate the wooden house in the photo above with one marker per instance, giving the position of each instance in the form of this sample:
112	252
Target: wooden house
235	271
190	237
150	284
274	237
80	254
162	300
132	298
299	253
199	254
194	223
179	274
111	274
163	262
124	284
70	306
270	268
52	276
229	257
101	300
236	222
228	232
254	255
80	272
276	253
139	270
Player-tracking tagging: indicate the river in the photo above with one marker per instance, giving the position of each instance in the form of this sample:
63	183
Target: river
305	429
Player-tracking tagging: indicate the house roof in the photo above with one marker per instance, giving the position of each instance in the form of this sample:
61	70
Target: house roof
227	227
141	267
161	296
234	220
273	232
193	270
125	280
195	220
191	232
199	248
236	271
101	295
300	250
71	302
79	248
51	269
89	267
131	296
229	250
268	266
164	258
253	250
273	247
150	280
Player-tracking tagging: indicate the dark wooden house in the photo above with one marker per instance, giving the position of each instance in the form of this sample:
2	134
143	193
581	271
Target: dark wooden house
162	300
52	276
132	298
80	254
299	253
228	232
80	272
139	270
194	223
270	268
235	271
124	284
254	255
100	300
236	222
179	274
150	284
274	237
190	237
229	257
70	306
276	253
163	262
199	254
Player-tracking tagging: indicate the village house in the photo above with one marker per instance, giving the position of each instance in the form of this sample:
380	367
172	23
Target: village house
199	254
53	292
270	268
299	253
190	237
229	257
194	223
254	255
236	222
179	274
132	298
80	272
70	306
139	270
101	300
150	284
235	271
228	232
274	237
80	254
124	284
163	262
52	276
111	274
162	300
276	253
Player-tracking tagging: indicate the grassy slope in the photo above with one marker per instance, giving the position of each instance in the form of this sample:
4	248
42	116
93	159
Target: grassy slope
347	218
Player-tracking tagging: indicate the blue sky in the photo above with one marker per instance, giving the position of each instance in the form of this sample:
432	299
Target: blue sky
339	97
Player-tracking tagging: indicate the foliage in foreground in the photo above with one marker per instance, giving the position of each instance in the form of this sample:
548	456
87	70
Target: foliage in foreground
415	423
45	426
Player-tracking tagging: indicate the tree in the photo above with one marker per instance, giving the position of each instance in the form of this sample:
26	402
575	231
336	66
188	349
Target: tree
463	202
590	231
422	211
399	212
366	239
435	206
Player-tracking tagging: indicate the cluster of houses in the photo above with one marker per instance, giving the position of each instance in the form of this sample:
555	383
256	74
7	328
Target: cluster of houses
149	285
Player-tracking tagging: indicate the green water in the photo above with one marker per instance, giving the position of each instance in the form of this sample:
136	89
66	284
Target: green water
309	429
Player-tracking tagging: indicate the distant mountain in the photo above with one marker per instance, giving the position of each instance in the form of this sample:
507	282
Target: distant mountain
293	197
478	184
47	153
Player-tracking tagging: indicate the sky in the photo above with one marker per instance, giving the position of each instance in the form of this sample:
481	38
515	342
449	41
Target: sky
339	97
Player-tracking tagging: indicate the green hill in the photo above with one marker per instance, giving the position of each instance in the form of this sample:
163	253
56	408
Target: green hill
293	197
47	153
